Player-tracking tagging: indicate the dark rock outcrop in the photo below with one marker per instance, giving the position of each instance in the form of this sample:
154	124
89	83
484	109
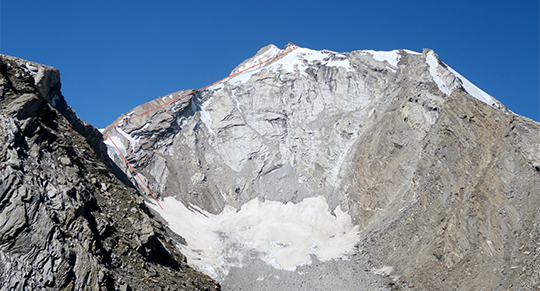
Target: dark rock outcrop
66	222
46	81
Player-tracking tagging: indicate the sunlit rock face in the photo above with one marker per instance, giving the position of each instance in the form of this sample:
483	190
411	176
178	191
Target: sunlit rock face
412	170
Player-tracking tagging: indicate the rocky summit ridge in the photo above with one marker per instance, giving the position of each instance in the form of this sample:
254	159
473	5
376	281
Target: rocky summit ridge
67	219
393	170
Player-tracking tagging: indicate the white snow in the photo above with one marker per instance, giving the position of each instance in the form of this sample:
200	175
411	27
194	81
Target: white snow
31	69
243	77
473	90
216	87
132	141
340	63
164	98
295	61
313	55
147	125
412	52
205	115
111	149
233	96
467	85
270	53
127	116
433	64
325	57
284	234
392	57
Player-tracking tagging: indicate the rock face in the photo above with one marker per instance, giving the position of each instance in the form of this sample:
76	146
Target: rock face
66	222
440	179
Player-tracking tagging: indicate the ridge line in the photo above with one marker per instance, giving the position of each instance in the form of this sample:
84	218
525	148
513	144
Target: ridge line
133	169
194	91
169	102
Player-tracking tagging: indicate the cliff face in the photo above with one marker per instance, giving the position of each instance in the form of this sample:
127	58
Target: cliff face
466	215
440	179
66	222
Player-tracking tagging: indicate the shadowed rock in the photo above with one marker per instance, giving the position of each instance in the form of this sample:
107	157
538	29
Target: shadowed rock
66	222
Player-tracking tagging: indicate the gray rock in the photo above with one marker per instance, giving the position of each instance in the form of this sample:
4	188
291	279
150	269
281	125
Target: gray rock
65	220
442	180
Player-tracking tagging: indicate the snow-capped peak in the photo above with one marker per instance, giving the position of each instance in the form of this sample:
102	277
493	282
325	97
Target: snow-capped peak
474	91
433	62
292	59
262	55
392	57
447	87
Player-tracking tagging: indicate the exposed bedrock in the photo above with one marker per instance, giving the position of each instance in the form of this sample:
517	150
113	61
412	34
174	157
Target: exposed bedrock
439	179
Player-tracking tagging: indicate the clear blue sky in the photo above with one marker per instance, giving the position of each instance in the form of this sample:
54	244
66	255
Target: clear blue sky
115	55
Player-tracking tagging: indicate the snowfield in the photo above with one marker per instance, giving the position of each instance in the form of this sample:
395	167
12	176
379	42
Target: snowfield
282	235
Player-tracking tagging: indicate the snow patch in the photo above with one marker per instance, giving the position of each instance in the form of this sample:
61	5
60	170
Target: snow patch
284	235
140	131
297	61
344	63
216	87
473	90
111	149
205	115
392	57
271	52
243	77
127	116
147	125
325	57
433	64
233	96
164	98
412	52
32	70
132	141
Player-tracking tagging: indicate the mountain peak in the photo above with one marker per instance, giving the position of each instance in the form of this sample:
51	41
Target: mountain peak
357	152
263	54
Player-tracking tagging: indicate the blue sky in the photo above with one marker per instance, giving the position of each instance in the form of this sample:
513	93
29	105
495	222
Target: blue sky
115	55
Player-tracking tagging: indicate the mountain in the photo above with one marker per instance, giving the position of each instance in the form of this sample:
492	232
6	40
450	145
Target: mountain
320	170
69	218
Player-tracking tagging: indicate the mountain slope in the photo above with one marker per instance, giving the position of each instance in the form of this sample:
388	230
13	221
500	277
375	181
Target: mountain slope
432	176
66	222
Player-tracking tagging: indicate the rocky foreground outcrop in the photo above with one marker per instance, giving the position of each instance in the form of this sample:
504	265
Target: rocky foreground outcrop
441	179
67	222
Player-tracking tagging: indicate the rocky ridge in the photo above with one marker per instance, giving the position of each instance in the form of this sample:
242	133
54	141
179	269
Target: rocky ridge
441	179
67	222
